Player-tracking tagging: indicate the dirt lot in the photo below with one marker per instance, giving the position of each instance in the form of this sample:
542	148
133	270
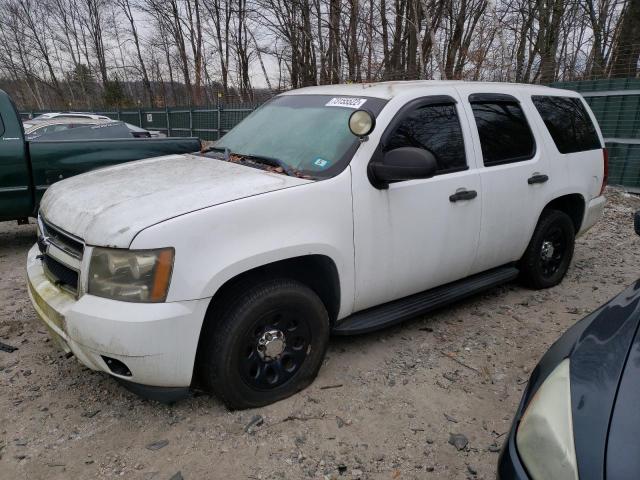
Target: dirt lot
383	406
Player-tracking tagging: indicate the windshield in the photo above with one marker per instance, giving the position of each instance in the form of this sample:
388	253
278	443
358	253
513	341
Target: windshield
308	133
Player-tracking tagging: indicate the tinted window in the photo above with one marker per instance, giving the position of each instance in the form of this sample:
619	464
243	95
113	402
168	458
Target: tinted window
435	128
505	135
58	127
568	123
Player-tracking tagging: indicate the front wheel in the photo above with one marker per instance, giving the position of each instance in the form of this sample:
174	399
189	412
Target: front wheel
549	253
267	343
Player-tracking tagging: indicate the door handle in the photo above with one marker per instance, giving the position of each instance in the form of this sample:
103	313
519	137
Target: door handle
537	178
463	195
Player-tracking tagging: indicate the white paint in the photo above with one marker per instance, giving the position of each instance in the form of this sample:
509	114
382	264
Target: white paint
348	102
156	341
411	237
224	219
108	207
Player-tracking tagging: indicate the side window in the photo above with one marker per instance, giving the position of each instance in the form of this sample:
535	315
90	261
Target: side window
435	128
38	132
505	136
568	123
1	127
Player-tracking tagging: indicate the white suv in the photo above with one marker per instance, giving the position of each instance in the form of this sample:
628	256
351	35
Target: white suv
336	209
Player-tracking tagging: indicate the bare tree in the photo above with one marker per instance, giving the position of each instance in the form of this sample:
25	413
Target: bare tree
90	53
125	6
626	52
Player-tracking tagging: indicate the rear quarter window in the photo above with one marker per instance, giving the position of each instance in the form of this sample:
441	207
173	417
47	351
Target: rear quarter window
568	122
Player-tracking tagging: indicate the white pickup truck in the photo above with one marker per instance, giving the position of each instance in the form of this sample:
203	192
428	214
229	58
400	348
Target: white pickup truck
336	209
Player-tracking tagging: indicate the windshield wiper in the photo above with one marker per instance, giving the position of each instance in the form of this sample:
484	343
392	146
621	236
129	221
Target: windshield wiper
216	149
270	161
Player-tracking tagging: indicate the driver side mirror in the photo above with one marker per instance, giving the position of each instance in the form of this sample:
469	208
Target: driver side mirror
636	222
400	164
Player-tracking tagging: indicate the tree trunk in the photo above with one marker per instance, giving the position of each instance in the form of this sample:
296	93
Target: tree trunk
626	52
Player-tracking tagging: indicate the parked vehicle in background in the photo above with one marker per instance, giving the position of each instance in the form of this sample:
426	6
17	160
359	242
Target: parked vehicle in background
40	126
342	209
37	128
29	167
85	115
142	133
579	417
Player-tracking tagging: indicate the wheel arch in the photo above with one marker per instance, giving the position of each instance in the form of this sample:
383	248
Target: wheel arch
319	272
573	204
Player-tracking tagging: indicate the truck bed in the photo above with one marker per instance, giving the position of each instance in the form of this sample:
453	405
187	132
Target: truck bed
54	160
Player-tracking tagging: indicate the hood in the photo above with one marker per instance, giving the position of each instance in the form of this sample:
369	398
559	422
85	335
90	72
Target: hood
622	461
108	207
597	365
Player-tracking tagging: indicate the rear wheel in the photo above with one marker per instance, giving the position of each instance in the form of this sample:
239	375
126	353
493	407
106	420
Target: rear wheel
549	253
266	344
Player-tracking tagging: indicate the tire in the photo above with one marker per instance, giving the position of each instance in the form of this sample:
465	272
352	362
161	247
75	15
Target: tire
549	254
264	344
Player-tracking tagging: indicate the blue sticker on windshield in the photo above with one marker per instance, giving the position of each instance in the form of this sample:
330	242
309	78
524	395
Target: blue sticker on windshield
321	162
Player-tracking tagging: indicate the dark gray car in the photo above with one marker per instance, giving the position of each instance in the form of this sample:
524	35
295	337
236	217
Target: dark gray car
580	414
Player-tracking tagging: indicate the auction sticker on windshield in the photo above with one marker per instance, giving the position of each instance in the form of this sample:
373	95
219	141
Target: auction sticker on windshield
348	102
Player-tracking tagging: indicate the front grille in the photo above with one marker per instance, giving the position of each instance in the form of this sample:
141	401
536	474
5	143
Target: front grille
61	274
62	240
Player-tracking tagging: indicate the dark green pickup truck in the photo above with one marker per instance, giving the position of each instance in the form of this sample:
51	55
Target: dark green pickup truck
28	168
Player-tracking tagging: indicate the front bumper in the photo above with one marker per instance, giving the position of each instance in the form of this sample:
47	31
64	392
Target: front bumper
156	341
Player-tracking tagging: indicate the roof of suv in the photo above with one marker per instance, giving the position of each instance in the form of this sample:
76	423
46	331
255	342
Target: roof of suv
388	90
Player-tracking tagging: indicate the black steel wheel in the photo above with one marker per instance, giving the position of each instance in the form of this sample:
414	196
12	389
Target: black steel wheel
275	349
548	256
264	344
552	250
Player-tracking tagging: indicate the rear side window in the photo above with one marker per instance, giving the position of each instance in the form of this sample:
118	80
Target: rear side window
505	135
435	128
568	123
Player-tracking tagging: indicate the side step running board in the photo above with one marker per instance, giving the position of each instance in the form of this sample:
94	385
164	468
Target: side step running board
397	311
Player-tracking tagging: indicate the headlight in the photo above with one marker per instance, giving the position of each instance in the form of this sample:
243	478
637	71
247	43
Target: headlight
545	435
131	275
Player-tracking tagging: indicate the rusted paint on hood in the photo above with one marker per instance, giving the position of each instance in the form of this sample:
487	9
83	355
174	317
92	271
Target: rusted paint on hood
108	207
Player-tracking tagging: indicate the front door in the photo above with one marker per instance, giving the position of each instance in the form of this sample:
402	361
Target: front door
418	234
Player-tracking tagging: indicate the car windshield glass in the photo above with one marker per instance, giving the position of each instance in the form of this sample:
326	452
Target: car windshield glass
308	133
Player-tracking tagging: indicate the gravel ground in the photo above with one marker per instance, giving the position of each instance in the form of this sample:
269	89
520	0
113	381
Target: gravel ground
383	407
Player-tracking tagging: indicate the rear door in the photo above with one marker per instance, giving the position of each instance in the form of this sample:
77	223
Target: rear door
15	184
514	171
